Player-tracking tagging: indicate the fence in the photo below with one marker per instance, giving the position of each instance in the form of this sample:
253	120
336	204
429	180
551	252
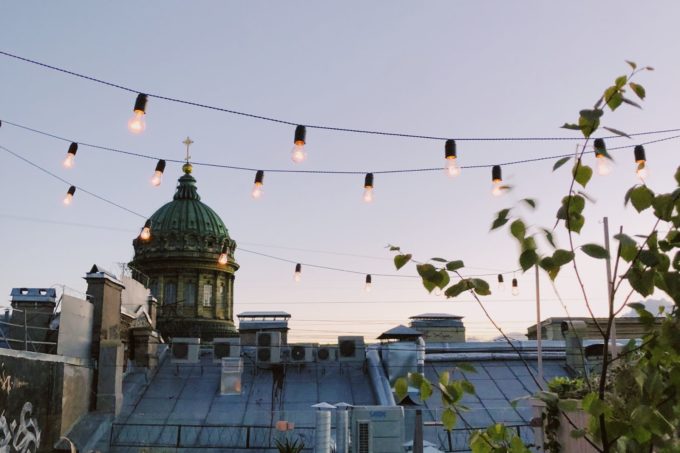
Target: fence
28	330
203	436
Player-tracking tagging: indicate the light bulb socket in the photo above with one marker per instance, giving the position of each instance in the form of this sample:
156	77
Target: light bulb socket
298	268
73	148
369	280
639	152
259	177
600	147
140	103
71	190
300	135
368	181
496	175
500	278
450	149
160	166
514	283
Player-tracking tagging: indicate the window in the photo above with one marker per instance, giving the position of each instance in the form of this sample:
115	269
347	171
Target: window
190	293
170	294
207	295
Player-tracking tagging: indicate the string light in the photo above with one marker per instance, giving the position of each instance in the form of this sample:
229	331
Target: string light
369	281
69	195
137	123
603	167
501	282
157	177
145	235
368	188
497	180
515	287
298	153
452	168
298	273
70	155
257	187
223	258
641	161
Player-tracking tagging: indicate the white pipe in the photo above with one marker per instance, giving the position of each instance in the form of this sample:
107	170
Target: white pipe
342	431
381	386
322	433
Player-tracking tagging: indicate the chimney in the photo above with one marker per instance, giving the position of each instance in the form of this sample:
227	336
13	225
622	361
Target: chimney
573	332
439	327
152	309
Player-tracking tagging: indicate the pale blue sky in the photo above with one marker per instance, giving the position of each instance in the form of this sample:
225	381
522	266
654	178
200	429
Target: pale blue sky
459	69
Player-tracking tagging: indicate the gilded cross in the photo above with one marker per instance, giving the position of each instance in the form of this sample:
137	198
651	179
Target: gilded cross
188	142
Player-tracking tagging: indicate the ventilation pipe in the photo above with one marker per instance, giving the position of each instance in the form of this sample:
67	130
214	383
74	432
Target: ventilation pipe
379	382
322	433
342	428
420	354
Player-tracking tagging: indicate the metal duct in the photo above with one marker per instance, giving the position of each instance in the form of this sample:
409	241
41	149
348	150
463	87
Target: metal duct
342	431
322	434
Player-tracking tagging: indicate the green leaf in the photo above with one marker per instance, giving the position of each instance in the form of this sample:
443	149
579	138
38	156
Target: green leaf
416	379
595	251
549	237
627	246
575	222
567	405
499	222
444	279
401	388
430	275
649	258
468	368
441	260
638	89
457	289
593	405
577	433
641	198
401	260
481	286
530	201
454	265
663	206
632	64
677	176
573	127
449	419
591	115
444	377
425	390
616	131
562	257
527	259
629	102
518	229
614	101
588	126
394	248
561	162
468	387
641	281
582	173
621	81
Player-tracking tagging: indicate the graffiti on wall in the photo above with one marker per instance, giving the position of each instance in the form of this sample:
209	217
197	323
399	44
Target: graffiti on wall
24	438
7	382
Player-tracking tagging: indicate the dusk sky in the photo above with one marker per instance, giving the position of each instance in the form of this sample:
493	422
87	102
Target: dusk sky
489	69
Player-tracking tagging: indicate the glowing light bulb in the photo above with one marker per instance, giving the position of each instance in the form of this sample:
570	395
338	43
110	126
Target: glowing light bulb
137	124
452	168
157	177
603	166
368	188
641	161
70	155
258	188
298	154
298	273
223	258
367	286
515	288
642	171
501	282
497	181
145	235
69	195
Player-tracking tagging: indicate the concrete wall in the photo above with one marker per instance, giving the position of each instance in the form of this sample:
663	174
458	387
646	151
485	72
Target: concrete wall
41	397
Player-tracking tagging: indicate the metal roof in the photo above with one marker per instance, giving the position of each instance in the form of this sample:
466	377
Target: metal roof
263	314
400	332
436	316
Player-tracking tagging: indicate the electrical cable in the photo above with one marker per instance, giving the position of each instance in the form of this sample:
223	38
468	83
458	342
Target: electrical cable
277	120
336	172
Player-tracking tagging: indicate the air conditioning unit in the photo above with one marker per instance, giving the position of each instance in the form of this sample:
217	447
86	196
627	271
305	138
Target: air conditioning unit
268	347
302	353
326	354
351	349
185	350
226	347
378	429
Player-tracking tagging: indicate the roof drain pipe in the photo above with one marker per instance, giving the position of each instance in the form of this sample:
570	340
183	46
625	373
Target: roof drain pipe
379	382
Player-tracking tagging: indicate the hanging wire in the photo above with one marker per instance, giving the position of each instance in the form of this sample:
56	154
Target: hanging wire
336	172
277	120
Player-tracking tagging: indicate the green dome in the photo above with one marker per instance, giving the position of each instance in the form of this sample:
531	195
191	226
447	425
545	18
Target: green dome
186	213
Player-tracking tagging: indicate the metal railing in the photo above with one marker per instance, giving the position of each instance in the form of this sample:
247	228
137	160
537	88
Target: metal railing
18	330
203	436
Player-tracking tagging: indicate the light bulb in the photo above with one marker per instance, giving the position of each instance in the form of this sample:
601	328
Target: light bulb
603	166
157	177
369	281
69	195
642	170
136	124
298	154
223	258
515	288
452	168
497	190
298	273
70	155
641	161
258	188
368	194
497	180
145	235
501	282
